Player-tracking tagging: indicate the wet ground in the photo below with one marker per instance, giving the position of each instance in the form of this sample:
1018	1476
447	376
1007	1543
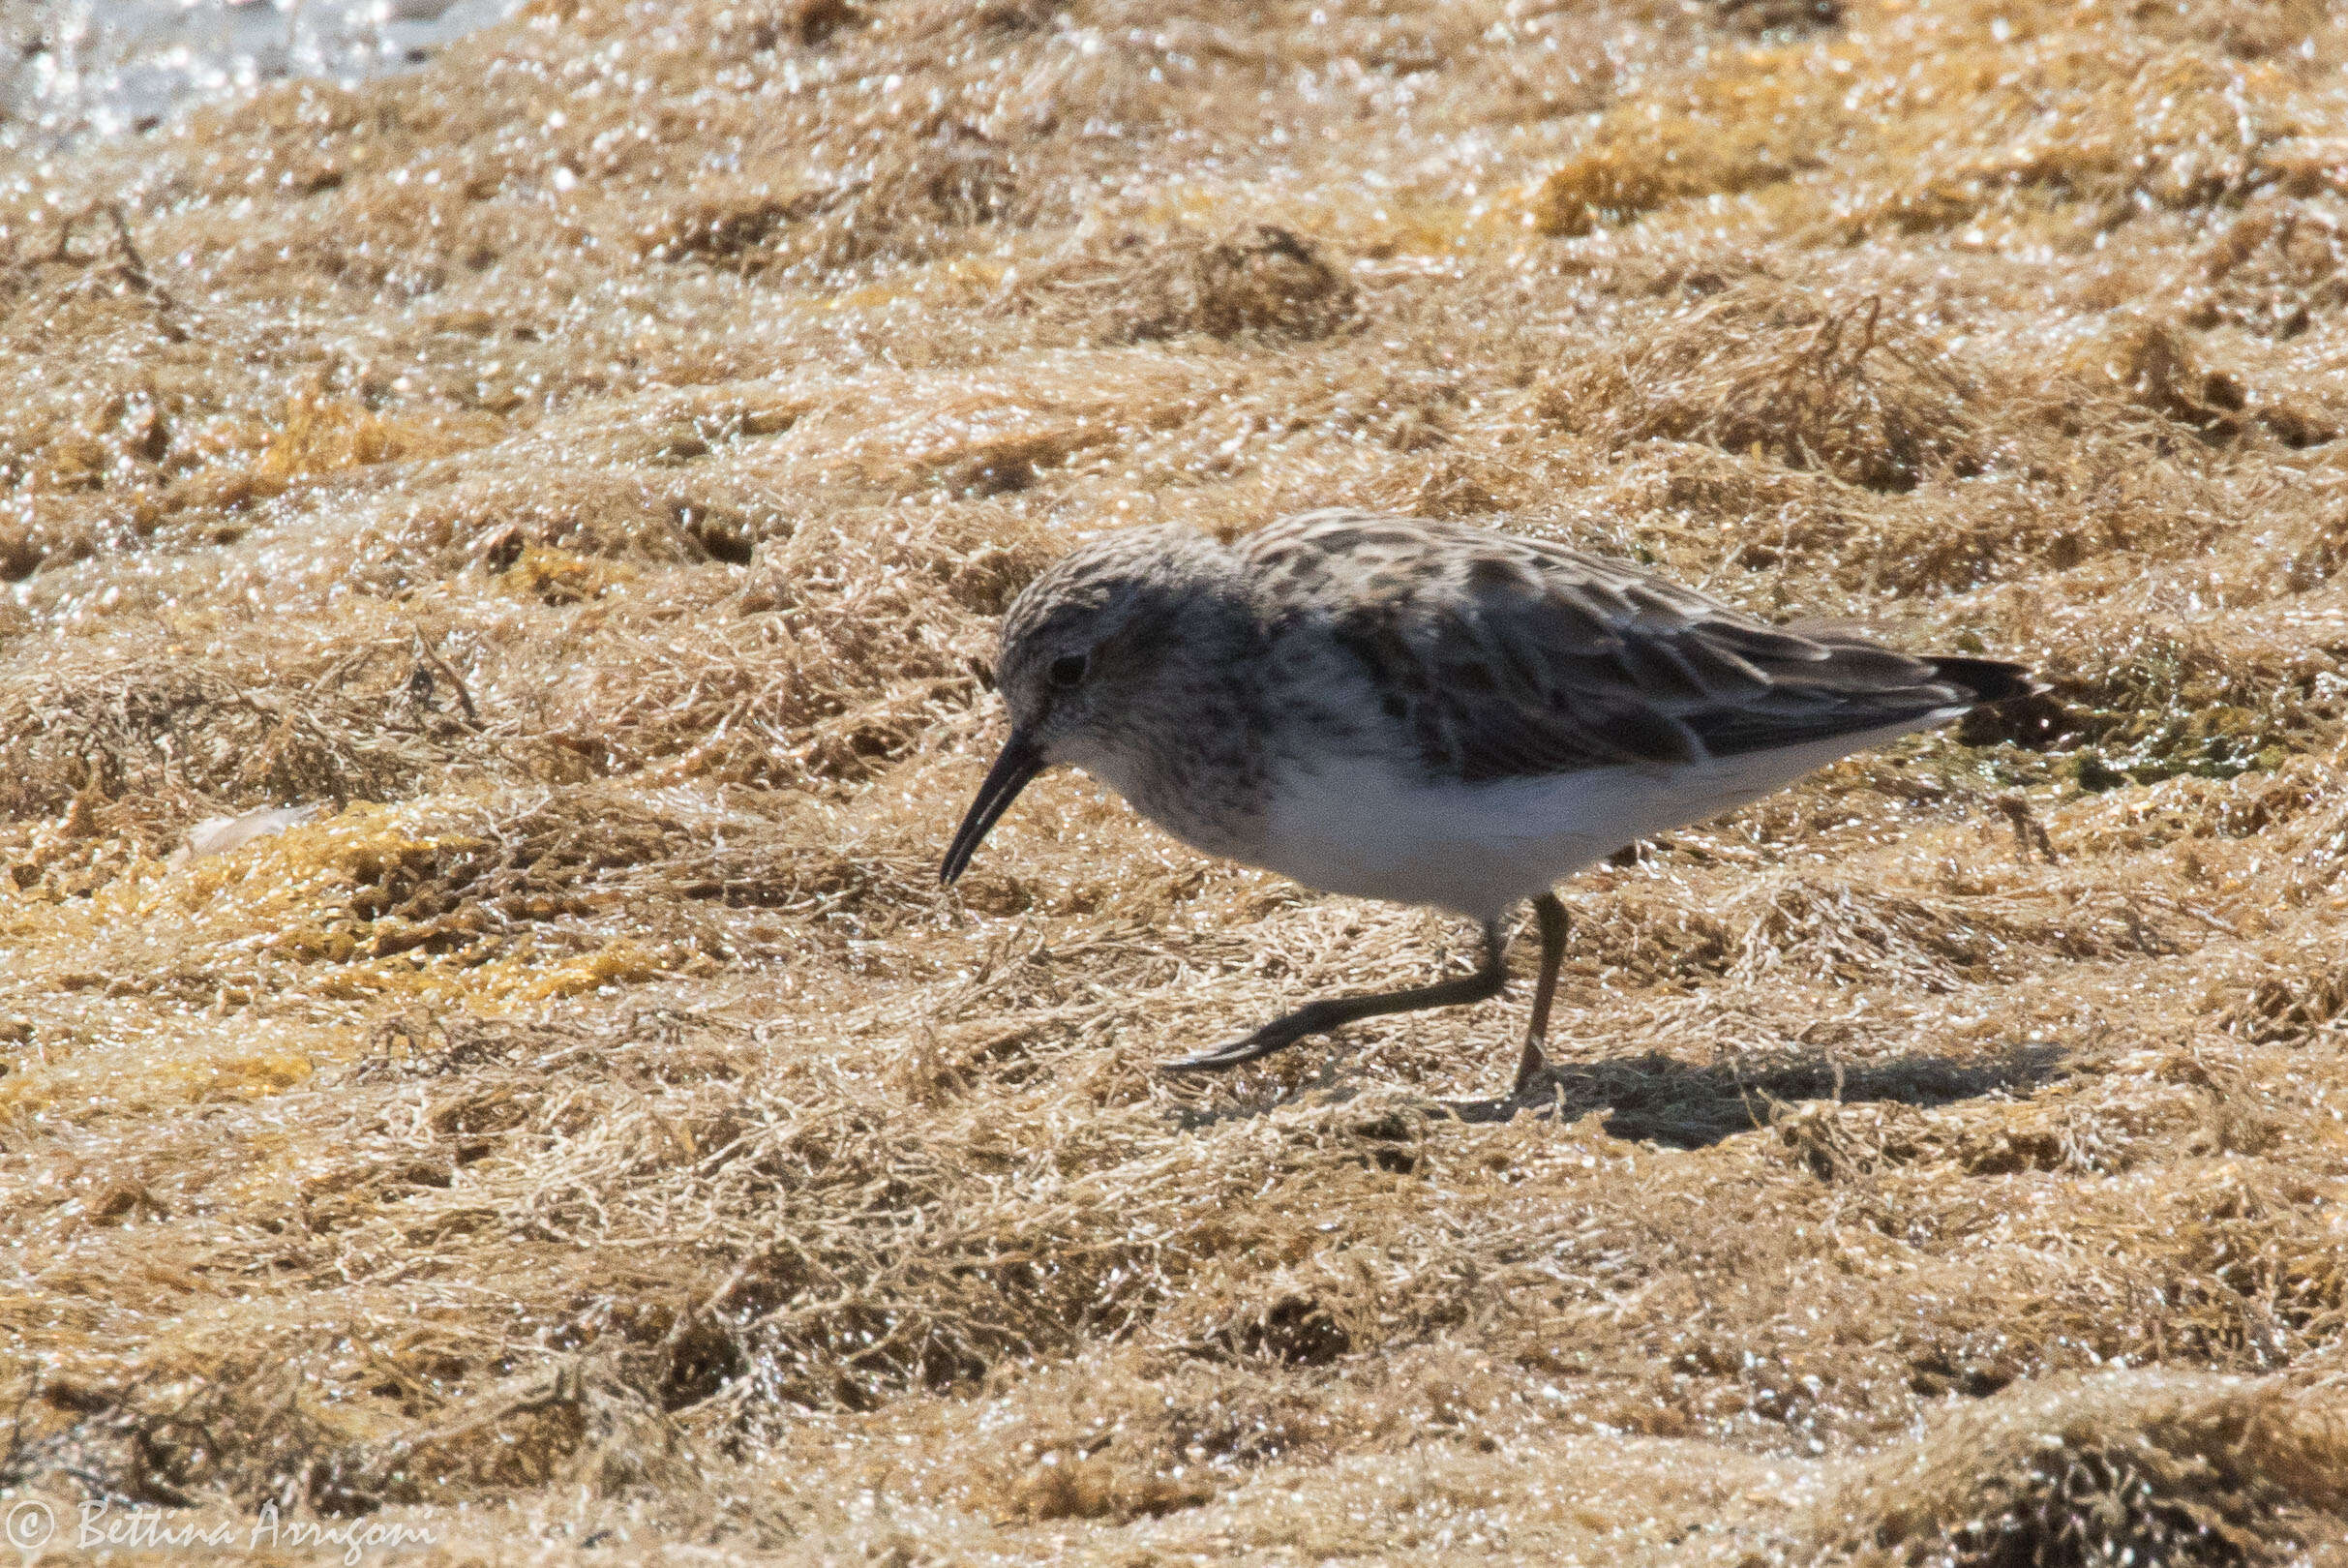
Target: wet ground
73	69
499	570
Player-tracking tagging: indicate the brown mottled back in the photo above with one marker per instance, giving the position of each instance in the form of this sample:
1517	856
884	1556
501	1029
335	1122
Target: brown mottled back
1511	657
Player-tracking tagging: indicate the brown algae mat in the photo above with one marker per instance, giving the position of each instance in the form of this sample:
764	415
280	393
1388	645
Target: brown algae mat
570	490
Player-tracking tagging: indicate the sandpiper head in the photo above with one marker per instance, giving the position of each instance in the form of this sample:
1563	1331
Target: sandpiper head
1077	644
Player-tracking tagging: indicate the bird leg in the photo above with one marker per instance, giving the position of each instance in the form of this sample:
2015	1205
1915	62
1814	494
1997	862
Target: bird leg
1336	1012
1553	926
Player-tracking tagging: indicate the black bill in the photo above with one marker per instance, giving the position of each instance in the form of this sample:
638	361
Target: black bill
1019	762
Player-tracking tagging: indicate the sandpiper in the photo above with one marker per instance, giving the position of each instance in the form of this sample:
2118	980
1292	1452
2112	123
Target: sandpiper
1427	712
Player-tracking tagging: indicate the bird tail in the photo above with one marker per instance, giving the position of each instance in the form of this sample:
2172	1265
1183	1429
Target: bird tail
1986	681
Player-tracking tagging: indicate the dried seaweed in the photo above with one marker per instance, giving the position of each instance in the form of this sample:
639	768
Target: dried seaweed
565	495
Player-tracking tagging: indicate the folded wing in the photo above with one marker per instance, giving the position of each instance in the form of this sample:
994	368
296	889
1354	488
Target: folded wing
1509	657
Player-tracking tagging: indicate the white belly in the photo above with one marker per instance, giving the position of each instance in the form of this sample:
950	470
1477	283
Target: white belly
1481	849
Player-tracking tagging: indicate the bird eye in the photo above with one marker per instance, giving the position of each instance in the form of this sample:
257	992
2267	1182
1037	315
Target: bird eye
1066	670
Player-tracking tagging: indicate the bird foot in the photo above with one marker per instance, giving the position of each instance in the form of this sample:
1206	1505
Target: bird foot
1222	1058
1531	1069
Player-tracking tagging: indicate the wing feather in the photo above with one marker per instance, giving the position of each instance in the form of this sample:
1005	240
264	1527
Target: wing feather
1509	657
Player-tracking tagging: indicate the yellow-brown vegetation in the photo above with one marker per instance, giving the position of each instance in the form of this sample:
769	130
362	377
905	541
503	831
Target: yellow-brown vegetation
585	473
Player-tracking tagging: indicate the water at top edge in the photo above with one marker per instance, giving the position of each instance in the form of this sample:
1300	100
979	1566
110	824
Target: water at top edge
75	70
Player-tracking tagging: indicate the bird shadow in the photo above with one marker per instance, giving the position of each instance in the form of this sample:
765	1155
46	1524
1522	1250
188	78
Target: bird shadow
1658	1099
